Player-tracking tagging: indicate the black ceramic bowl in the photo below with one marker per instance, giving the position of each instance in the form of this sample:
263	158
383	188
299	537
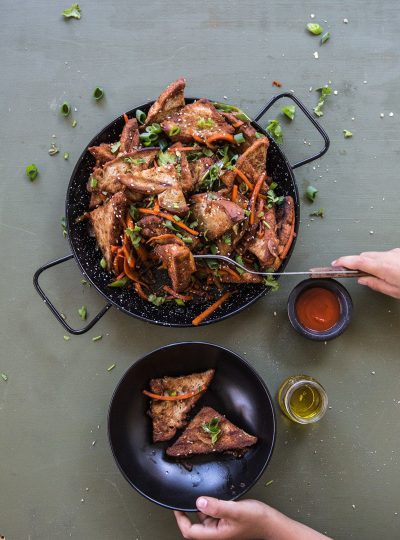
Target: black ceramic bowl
345	302
236	391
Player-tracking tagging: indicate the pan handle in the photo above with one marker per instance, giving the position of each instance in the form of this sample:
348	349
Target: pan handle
309	116
53	309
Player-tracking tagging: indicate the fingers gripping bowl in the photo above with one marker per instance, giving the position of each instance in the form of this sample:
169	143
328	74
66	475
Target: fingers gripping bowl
82	191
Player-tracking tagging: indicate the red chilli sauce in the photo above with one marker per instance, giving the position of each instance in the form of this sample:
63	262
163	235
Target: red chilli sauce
317	309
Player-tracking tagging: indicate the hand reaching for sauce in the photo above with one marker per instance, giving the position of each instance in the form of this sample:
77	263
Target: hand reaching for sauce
384	267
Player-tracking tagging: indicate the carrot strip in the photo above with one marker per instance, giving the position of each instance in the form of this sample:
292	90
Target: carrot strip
114	249
197	138
177	295
237	124
156	205
128	257
170	217
175	398
243	177
129	222
220	137
116	262
161	237
129	272
234	193
140	291
184	148
254	195
126	118
231	272
200	318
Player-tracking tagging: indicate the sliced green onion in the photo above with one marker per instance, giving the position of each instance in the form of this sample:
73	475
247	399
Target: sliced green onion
315	28
65	109
179	301
141	116
154	128
347	133
110	368
275	129
289	111
93	182
98	93
325	38
4	376
82	313
239	138
66	338
32	172
214	249
66	155
73	12
259	135
103	263
225	107
203	123
156	300
97	338
119	282
311	193
74	123
175	130
115	147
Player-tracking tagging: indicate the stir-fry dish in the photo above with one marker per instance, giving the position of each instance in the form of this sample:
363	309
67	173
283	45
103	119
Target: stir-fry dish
184	180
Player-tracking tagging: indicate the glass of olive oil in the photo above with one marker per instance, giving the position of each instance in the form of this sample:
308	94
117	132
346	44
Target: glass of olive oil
303	399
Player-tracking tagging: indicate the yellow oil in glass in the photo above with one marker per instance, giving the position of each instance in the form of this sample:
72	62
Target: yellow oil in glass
302	399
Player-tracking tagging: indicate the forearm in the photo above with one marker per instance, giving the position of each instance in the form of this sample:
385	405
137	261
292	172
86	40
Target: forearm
279	527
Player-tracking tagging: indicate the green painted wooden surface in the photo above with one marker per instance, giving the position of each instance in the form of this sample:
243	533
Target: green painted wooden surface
340	476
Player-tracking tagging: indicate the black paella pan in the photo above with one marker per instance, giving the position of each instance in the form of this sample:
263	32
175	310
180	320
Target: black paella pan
85	251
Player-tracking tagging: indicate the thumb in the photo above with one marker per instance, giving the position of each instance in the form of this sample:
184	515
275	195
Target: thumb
217	508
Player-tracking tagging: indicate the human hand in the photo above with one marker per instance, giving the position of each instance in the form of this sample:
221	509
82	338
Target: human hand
384	267
243	520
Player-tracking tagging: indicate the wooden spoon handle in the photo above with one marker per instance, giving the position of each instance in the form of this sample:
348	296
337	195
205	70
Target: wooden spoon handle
335	272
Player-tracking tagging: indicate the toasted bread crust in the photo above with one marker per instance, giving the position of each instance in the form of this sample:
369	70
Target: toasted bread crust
194	440
168	102
168	416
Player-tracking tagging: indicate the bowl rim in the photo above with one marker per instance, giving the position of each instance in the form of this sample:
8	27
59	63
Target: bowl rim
225	350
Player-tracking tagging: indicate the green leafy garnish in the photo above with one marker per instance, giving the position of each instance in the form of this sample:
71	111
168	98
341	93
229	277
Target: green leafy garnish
239	260
325	38
311	193
66	338
225	107
134	212
315	28
66	155
166	158
211	176
119	282
272	198
65	109
271	282
64	226
227	239
137	161
103	263
141	116
347	133
318	213
4	376
275	129
115	147
289	111
204	123
73	12
96	338
32	172
179	301
74	123
175	130
259	135
154	128
156	300
134	235
98	93
93	182
213	429
239	138
82	313
325	91
214	249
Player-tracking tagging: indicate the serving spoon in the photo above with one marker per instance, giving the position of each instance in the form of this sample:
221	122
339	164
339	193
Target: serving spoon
321	272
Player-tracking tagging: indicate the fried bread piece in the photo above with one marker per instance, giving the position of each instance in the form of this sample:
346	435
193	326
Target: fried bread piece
179	262
107	224
129	136
253	161
196	440
168	416
168	102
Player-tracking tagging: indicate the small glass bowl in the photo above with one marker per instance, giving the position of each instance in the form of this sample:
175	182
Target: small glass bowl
345	302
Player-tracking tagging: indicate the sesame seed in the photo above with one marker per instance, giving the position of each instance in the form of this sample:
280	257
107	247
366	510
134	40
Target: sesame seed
312	16
345	21
335	92
316	55
382	114
391	114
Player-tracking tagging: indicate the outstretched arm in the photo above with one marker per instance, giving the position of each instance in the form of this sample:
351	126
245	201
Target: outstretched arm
243	520
384	267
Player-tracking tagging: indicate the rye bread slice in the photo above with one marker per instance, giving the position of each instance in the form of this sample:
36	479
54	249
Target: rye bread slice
168	416
195	440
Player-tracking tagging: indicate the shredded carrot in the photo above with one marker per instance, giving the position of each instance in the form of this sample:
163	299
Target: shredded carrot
126	118
185	148
173	293
177	397
237	124
220	137
254	195
140	291
200	318
161	237
170	217
114	249
129	222
231	272
156	205
118	258
197	138
243	177
234	193
129	272
120	276
128	257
